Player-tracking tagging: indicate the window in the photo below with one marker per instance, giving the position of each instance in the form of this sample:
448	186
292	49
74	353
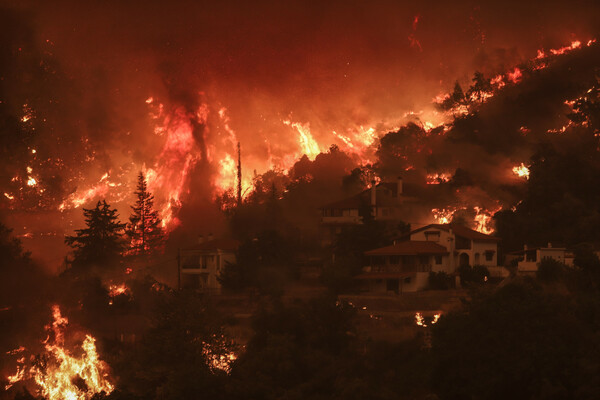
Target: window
432	236
407	280
477	259
462	243
438	259
394	259
423	259
489	255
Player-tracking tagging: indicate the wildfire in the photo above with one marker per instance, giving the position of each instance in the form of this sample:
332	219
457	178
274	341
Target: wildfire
444	215
308	144
61	375
521	171
116	290
420	320
219	361
437	178
483	220
515	75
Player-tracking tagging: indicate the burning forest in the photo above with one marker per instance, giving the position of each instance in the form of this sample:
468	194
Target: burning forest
296	200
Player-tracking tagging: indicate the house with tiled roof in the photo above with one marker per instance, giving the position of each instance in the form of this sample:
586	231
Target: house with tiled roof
200	265
405	265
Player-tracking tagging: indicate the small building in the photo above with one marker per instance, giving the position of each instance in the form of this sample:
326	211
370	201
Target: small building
529	258
200	265
386	201
405	265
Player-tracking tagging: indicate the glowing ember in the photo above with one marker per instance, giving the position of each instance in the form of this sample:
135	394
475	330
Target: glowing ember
420	321
444	215
116	290
521	171
435	179
219	361
64	375
515	76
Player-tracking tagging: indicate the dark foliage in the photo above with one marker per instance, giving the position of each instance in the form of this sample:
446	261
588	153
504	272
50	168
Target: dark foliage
520	342
144	229
440	281
101	243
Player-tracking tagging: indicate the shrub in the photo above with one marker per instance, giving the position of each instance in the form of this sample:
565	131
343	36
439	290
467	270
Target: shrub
476	274
440	281
550	270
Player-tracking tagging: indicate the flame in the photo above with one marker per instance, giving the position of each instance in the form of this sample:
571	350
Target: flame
515	75
521	171
116	290
219	361
437	178
307	143
444	215
483	220
64	375
420	321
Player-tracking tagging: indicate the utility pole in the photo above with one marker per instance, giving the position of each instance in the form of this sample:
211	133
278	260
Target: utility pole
239	176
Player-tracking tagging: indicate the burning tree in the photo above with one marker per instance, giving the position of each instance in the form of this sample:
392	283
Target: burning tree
144	228
101	242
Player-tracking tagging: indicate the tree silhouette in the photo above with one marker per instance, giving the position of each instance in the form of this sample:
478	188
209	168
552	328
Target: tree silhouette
144	227
480	86
101	242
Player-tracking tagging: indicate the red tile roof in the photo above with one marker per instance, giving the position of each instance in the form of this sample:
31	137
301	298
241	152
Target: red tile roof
460	230
409	248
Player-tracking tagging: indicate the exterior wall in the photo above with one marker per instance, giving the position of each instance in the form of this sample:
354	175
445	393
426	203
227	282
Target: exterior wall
413	283
448	241
480	248
346	216
444	236
201	268
445	266
558	254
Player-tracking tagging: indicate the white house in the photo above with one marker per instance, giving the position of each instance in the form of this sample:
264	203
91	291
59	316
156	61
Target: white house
199	266
405	265
530	257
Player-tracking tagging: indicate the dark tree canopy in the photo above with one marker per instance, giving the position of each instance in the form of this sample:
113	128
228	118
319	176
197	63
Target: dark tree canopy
101	243
144	229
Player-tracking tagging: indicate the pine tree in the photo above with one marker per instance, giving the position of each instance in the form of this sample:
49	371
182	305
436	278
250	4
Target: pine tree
101	243
144	228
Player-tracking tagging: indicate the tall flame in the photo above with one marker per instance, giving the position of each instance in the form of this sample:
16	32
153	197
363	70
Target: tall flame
61	375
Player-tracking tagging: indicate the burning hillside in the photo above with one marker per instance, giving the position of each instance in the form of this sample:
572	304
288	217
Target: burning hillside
85	132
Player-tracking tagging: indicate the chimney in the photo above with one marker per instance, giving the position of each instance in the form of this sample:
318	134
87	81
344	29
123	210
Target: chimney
400	188
549	245
210	237
200	239
525	247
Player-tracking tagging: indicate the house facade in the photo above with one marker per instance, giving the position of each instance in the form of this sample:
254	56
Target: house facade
529	258
405	265
200	265
386	201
